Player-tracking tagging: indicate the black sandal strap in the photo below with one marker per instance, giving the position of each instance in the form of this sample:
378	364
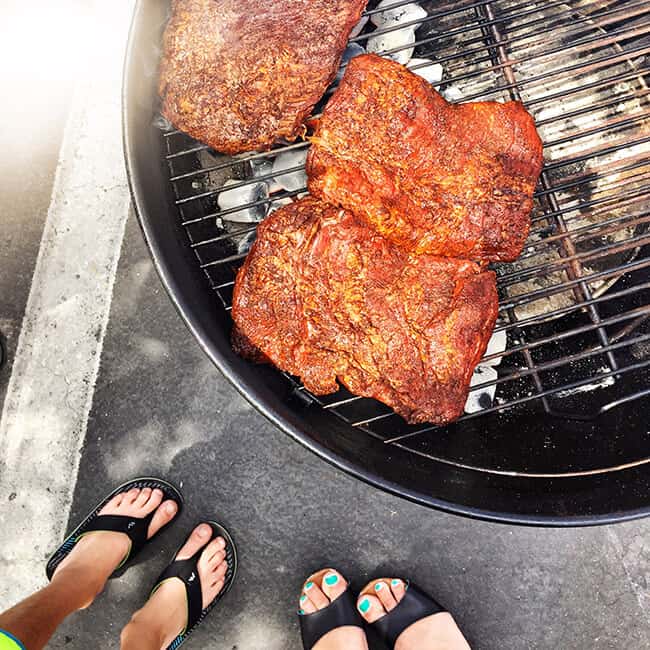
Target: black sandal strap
135	528
137	532
187	571
339	613
415	605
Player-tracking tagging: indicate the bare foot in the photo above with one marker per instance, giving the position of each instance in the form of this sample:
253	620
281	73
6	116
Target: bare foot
165	613
318	592
96	555
436	632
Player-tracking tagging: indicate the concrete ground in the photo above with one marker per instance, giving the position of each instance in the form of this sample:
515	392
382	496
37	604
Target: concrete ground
155	405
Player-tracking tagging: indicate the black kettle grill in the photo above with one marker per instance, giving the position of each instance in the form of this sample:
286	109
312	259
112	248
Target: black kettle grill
561	435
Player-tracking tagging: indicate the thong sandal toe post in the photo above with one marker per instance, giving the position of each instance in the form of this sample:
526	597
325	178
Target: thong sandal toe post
135	528
341	612
187	572
414	606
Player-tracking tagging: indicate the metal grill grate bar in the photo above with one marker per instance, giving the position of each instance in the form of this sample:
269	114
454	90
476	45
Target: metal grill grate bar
583	72
530	398
551	365
642	311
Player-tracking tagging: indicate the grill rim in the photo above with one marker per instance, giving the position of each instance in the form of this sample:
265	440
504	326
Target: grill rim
272	407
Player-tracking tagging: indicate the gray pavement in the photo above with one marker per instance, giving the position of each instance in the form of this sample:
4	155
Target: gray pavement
161	408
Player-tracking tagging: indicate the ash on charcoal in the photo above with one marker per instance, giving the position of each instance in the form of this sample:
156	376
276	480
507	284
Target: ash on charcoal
481	398
397	15
427	69
399	38
239	196
294	159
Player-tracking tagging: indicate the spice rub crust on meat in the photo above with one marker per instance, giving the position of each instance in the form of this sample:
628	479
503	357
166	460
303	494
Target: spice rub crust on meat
449	179
240	75
326	298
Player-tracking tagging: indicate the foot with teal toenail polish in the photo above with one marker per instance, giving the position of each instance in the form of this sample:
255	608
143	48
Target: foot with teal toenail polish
331	579
319	591
380	597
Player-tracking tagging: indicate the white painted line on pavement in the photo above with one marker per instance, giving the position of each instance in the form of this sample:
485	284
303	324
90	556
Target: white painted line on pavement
50	392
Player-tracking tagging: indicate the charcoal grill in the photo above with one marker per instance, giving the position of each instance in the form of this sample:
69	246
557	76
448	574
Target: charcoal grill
566	440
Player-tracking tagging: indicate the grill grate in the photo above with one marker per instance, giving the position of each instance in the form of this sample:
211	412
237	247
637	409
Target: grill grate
575	307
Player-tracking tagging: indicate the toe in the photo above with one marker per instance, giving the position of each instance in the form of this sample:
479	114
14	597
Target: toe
333	584
370	608
211	550
155	499
217	586
385	595
143	497
197	540
398	588
156	496
305	606
217	546
219	571
216	560
113	504
164	514
315	594
131	496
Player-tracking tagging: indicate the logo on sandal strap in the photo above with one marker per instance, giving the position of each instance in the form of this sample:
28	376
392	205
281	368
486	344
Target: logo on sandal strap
191	578
131	524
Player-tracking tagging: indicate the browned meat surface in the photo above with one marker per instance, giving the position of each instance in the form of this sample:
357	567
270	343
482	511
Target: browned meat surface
449	179
241	74
326	298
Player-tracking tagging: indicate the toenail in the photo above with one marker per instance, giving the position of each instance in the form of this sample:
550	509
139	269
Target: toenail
303	598
301	612
204	530
331	579
395	583
364	605
171	508
221	542
378	586
309	585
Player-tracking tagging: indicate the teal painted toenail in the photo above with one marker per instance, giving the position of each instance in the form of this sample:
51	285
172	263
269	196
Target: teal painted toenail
301	612
395	583
378	586
364	605
331	579
309	585
303	598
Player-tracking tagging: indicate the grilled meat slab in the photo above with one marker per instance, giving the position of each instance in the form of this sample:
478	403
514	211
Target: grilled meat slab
241	74
449	179
324	297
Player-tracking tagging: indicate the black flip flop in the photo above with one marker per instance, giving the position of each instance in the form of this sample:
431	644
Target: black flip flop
135	528
341	612
414	606
187	572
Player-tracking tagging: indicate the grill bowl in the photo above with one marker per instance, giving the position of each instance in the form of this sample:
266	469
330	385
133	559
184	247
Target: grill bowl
524	464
